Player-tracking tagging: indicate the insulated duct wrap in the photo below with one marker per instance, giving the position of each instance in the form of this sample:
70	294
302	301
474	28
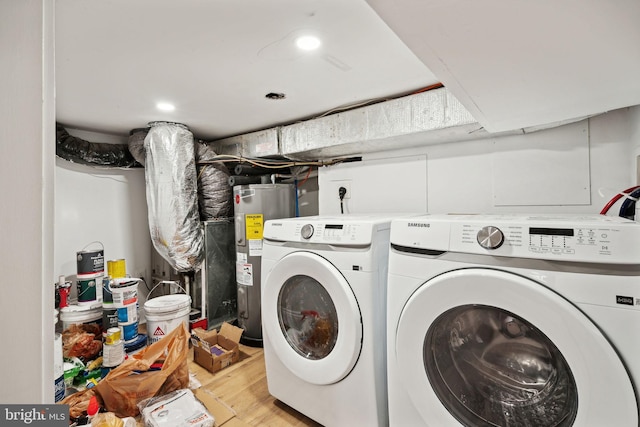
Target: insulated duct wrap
172	195
136	143
215	196
78	150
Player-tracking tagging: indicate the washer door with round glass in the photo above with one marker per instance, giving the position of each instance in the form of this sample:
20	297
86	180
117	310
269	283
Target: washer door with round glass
312	318
482	347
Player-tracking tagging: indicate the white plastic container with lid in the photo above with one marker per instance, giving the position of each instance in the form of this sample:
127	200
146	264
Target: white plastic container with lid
81	314
165	313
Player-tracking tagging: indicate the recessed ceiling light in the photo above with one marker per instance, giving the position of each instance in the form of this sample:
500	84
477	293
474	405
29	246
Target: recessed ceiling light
165	106
308	42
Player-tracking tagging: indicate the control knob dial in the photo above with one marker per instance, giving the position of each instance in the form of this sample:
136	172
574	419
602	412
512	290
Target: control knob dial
307	231
490	237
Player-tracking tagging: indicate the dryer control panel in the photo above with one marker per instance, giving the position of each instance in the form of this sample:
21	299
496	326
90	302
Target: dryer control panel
354	231
594	238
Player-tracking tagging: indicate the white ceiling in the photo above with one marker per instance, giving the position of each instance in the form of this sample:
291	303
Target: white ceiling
519	64
216	60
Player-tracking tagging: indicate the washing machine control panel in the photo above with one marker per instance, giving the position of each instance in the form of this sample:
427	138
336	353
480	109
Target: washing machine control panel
587	238
538	240
490	237
593	242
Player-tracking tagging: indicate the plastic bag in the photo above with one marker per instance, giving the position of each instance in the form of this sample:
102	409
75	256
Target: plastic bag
109	419
133	381
78	402
180	408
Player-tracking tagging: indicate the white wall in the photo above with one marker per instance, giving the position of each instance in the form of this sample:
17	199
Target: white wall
27	117
106	205
575	168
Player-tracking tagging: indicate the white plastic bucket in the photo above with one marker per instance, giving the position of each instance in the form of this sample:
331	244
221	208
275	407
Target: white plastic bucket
166	313
81	315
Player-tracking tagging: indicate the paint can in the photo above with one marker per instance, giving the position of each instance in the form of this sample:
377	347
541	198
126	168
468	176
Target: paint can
128	313
116	268
112	335
113	353
89	288
90	261
166	313
128	331
107	298
81	315
109	316
124	291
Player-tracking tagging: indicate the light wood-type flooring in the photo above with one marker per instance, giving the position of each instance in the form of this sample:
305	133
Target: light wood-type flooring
243	387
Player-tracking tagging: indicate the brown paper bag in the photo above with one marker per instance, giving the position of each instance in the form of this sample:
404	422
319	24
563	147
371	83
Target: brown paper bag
131	382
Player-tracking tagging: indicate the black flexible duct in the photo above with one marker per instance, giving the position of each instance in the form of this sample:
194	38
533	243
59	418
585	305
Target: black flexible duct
78	150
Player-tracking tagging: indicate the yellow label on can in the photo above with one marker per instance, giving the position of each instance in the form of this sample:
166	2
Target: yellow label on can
253	226
113	336
116	268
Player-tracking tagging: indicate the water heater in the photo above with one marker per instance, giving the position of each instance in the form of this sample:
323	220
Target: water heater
253	205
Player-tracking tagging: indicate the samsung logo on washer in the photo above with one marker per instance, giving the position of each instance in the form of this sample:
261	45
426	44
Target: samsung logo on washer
418	224
624	300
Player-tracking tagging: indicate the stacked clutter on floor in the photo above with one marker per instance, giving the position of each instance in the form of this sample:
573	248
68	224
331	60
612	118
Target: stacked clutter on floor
102	362
80	323
152	384
97	331
124	292
129	375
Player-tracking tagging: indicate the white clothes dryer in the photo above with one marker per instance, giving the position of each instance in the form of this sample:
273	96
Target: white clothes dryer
323	316
514	320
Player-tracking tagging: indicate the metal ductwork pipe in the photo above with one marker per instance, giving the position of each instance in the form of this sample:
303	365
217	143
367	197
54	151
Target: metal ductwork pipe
78	150
172	195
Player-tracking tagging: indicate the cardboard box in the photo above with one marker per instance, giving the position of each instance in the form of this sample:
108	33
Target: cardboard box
223	414
216	350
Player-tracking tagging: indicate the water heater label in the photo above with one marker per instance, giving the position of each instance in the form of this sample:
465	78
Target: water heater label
254	225
255	247
244	274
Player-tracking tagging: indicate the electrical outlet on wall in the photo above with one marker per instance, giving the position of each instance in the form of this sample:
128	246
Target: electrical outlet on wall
336	188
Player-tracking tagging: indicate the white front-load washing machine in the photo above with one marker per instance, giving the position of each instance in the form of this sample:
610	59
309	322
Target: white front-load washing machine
323	316
514	320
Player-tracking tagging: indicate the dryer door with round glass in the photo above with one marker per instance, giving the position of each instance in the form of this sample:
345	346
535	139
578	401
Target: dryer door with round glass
483	347
312	318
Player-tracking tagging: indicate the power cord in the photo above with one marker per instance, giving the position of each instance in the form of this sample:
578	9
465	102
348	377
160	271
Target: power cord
341	193
627	209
